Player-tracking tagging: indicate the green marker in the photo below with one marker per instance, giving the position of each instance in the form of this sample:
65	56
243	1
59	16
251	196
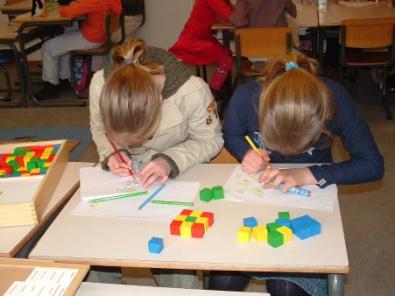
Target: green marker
172	203
115	197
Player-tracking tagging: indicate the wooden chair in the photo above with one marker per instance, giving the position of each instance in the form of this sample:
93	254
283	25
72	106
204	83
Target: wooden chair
259	43
224	156
368	43
112	24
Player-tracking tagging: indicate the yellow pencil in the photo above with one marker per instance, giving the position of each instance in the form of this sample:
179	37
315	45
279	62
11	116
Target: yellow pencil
253	146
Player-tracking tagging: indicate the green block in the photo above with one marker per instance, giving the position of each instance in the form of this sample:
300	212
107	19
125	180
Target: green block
19	151
206	194
275	239
14	164
283	215
190	219
272	226
31	165
40	163
218	192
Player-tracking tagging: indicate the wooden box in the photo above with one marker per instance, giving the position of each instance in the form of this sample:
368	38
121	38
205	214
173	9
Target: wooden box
29	173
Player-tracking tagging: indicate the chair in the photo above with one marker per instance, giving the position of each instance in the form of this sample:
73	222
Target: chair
259	43
112	24
368	43
224	157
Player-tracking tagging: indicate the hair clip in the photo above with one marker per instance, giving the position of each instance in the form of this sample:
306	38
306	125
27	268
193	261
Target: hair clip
291	65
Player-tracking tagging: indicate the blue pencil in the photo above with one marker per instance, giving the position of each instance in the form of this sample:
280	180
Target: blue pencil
151	197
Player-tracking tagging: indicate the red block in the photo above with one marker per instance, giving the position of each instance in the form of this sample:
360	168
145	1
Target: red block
38	150
197	230
186	212
209	216
19	159
175	227
8	169
51	157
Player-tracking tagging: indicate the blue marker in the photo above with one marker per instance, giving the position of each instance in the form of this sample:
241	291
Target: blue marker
151	197
296	190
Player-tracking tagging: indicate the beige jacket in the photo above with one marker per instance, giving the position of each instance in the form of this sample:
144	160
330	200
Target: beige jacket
189	132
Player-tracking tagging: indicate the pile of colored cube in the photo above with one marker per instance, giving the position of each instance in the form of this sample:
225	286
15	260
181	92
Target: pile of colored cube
208	194
280	231
27	160
191	223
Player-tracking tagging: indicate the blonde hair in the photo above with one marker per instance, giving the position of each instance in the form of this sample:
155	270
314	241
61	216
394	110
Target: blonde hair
295	105
130	102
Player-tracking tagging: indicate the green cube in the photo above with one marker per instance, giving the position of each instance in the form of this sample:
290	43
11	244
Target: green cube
19	151
206	194
190	219
218	192
275	239
272	226
14	164
283	215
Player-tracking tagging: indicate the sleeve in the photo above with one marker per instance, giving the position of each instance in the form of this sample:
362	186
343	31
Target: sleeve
366	163
239	17
222	8
290	8
236	121
204	140
104	148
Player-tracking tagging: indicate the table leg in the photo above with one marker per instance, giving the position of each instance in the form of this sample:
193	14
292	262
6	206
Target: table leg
335	285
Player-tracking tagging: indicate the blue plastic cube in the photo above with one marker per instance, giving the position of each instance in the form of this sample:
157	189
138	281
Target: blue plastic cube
155	245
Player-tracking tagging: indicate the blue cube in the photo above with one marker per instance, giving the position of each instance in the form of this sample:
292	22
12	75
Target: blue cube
250	222
155	245
305	226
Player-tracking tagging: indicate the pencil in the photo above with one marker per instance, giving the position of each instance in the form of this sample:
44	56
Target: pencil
172	203
119	155
151	197
295	190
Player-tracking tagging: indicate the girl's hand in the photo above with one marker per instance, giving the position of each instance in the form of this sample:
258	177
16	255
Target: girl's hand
272	177
253	162
157	169
117	167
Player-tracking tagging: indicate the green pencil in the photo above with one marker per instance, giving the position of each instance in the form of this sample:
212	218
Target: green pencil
172	203
115	197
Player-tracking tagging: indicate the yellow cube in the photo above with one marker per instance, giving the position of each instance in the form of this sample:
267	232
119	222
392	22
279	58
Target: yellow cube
244	234
26	159
259	233
10	158
48	150
181	217
186	229
2	172
35	171
204	221
196	213
29	154
287	233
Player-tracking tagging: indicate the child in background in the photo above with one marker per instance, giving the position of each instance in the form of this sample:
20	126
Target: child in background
56	67
197	46
293	116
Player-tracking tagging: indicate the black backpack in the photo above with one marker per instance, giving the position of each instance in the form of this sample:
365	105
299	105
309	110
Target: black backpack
133	7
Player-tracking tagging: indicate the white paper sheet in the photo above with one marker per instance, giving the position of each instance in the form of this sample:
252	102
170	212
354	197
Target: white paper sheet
97	183
242	187
128	208
43	281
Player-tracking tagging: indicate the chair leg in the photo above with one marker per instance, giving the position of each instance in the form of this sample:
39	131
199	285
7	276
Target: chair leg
8	83
385	99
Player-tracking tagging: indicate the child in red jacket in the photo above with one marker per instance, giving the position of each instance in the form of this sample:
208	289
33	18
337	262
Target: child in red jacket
197	46
91	35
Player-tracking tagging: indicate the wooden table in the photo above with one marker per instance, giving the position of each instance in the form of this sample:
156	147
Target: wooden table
13	239
95	289
336	13
123	242
16	7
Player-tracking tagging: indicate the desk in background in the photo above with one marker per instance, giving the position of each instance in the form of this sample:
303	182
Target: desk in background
86	236
13	239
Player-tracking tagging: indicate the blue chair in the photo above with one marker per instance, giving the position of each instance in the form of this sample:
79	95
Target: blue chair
6	57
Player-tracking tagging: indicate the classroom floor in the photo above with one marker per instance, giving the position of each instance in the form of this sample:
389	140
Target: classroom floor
368	210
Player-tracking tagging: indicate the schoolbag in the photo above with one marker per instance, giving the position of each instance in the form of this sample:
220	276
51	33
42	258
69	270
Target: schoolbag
132	7
81	73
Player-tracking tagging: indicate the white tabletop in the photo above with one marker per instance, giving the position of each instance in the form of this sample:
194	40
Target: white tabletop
95	289
12	239
123	242
336	13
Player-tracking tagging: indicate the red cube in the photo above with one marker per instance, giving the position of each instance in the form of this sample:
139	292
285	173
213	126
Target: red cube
197	230
209	216
175	227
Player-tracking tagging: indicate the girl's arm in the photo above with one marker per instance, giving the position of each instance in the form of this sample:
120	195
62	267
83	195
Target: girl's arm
241	119
204	139
366	163
223	9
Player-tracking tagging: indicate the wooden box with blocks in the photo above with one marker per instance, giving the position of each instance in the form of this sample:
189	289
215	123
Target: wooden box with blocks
29	174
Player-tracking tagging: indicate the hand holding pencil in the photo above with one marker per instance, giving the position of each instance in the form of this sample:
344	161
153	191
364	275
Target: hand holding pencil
255	160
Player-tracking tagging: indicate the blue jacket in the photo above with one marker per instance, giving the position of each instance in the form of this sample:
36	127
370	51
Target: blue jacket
365	163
